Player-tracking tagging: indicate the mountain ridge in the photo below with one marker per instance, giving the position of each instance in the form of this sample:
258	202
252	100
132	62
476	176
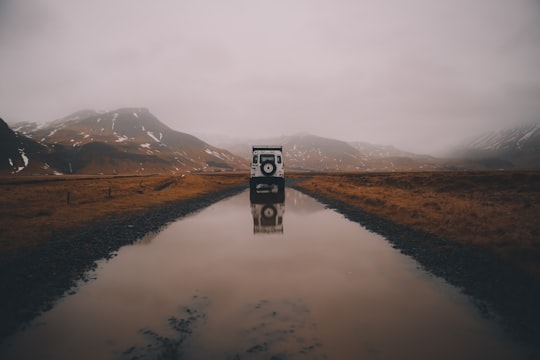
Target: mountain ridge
518	146
307	152
127	140
134	141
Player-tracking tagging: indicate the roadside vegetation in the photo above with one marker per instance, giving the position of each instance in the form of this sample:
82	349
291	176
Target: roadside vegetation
495	211
34	208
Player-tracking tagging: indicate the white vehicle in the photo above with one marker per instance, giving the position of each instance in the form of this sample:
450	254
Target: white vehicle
267	168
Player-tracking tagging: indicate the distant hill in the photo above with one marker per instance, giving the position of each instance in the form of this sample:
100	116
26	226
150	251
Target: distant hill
124	141
306	152
513	148
517	147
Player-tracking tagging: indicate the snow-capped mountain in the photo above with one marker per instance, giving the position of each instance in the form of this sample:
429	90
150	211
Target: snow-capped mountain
516	147
314	153
130	140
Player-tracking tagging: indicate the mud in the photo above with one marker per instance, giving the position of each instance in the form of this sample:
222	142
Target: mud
498	289
32	280
285	334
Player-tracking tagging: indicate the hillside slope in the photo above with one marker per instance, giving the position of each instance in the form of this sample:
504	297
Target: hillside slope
129	140
19	153
514	147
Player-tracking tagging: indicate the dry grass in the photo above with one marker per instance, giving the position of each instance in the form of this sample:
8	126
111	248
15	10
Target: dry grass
32	208
498	211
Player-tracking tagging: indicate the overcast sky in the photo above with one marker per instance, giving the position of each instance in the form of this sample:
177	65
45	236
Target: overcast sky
417	74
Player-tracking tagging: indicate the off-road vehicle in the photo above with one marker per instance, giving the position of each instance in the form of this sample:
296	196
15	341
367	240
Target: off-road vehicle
267	168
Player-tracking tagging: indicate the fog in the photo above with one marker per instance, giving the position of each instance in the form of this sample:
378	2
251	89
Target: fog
417	74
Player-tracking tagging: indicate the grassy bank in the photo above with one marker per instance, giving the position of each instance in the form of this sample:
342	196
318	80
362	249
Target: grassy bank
495	211
34	208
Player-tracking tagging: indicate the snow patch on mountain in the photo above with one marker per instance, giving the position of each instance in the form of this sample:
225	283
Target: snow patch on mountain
214	153
26	161
49	135
527	136
24	157
121	138
151	134
115	116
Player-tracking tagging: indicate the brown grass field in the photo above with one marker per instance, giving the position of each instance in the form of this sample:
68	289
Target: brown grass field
35	207
497	211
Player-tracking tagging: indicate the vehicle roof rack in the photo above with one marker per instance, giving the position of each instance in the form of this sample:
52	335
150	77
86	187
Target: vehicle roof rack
267	147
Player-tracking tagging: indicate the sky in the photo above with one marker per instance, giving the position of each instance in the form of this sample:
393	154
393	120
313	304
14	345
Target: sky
421	75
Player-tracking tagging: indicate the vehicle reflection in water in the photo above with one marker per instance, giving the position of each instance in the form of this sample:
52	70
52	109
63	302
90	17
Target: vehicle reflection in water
267	209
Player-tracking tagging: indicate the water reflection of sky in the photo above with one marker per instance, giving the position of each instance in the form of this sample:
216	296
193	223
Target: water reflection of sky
324	288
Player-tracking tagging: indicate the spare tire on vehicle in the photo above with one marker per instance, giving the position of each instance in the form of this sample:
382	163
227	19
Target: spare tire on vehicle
268	168
269	211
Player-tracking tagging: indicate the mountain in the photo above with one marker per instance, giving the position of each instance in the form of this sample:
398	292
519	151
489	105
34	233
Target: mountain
306	152
133	141
17	150
129	140
386	157
516	147
315	153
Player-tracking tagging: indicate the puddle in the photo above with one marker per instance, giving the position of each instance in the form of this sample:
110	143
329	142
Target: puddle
269	278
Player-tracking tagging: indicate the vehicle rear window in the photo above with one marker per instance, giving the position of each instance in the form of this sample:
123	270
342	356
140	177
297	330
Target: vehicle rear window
267	157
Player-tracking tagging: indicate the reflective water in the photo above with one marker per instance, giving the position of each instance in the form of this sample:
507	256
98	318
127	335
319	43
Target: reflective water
262	280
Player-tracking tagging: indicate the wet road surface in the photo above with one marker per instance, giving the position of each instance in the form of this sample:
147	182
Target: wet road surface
268	279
